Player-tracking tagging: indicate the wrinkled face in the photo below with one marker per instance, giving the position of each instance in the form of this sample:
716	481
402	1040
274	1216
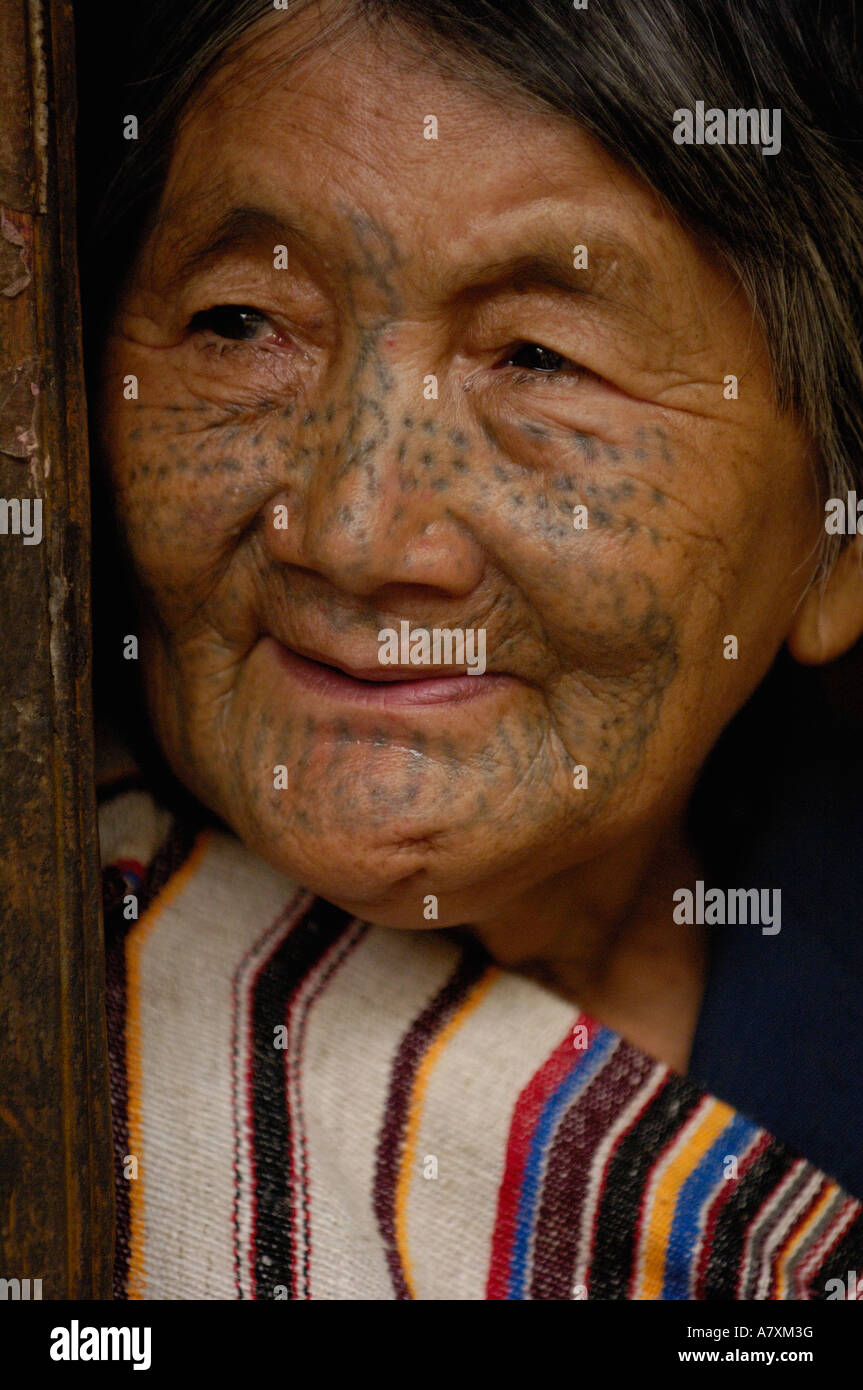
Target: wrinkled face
428	411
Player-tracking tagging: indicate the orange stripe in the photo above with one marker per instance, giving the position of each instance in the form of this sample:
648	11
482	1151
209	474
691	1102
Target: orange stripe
415	1110
666	1194
135	943
798	1236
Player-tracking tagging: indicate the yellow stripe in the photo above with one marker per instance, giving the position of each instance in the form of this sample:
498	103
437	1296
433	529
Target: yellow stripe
135	943
415	1111
661	1216
796	1239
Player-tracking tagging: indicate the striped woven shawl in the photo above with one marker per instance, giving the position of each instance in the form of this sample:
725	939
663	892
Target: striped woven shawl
306	1106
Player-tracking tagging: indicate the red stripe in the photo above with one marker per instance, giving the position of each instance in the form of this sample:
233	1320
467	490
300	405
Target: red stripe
526	1113
134	866
408	1059
169	858
815	1261
582	1128
791	1235
649	1100
715	1211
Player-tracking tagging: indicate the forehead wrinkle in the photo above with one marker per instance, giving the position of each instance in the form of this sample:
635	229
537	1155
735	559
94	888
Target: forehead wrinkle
196	230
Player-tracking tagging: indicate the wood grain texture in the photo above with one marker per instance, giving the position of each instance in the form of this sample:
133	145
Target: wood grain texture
56	1199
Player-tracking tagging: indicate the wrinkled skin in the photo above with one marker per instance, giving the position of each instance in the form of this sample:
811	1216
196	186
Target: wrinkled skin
454	512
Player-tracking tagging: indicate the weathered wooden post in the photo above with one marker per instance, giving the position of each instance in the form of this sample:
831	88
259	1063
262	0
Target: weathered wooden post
55	1158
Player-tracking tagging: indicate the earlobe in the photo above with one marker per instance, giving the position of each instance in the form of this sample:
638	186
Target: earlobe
830	618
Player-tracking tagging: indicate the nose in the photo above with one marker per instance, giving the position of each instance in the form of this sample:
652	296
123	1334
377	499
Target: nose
380	506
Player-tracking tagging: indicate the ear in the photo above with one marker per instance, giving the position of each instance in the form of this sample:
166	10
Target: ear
830	618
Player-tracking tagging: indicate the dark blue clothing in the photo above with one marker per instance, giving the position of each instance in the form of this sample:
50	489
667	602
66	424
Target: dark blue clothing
780	1034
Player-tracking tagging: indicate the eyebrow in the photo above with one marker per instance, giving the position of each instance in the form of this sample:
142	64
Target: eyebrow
617	276
245	228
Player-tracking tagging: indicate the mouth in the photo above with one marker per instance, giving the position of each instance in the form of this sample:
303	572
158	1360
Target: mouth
390	687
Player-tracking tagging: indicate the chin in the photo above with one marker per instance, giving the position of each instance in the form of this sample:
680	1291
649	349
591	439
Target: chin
402	884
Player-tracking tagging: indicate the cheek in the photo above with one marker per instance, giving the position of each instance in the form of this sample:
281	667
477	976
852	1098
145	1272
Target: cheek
606	530
591	528
639	553
186	487
611	547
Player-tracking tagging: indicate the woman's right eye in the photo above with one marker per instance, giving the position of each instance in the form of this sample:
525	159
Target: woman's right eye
236	322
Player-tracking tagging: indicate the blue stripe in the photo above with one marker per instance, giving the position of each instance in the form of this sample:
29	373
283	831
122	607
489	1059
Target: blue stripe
572	1085
696	1190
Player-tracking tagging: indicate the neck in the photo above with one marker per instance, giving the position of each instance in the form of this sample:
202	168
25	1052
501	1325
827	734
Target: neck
604	938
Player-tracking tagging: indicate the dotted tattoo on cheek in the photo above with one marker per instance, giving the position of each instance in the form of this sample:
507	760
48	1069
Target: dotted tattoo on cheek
511	480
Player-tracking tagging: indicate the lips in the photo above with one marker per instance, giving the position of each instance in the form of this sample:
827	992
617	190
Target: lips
334	679
376	673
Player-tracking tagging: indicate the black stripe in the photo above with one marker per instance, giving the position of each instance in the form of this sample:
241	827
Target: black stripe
276	1239
770	1168
173	853
611	1266
844	1259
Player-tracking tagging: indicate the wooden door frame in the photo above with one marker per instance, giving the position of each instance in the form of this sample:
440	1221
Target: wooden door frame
56	1170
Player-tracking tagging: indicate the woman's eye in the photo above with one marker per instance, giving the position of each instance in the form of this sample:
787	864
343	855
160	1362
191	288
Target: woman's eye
236	322
534	357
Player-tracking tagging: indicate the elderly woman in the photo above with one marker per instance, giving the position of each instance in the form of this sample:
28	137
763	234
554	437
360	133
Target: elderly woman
470	381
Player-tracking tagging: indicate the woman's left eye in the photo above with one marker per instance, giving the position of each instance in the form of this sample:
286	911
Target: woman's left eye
236	322
534	357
